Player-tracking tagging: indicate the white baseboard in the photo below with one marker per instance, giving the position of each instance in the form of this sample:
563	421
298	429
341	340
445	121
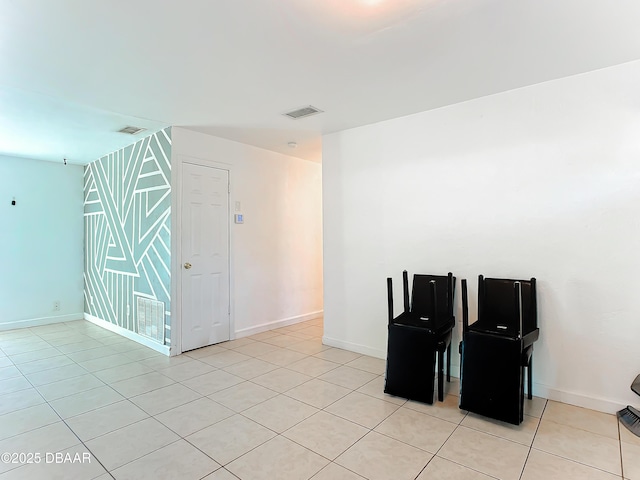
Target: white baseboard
579	400
354	347
136	337
605	405
263	327
36	322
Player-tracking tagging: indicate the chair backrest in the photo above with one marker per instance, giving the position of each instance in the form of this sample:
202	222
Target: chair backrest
497	304
422	295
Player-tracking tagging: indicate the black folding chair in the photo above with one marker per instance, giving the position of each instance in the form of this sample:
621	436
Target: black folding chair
498	347
417	334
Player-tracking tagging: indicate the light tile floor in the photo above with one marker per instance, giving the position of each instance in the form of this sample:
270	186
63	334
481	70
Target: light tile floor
278	405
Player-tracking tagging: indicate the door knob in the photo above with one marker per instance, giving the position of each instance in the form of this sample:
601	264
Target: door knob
187	265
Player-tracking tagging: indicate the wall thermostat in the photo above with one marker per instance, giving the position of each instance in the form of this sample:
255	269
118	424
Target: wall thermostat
239	218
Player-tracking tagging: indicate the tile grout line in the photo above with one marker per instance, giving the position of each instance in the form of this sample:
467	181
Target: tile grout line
567	458
620	445
277	434
185	439
524	465
496	435
153	416
334	463
125	398
443	444
285	393
223	465
571	459
70	429
64	420
575	461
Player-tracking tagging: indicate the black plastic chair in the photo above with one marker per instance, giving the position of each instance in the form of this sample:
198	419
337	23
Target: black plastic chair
498	347
416	335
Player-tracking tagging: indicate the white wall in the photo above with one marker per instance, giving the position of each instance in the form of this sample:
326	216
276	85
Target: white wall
276	255
41	246
541	181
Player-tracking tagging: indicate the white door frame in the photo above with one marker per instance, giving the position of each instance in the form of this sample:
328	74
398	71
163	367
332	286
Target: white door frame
176	247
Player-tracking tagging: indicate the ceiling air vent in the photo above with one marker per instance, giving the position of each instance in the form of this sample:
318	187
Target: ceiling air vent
131	130
303	112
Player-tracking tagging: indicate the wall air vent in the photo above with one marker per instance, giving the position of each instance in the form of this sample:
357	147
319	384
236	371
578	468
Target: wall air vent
150	316
303	112
131	130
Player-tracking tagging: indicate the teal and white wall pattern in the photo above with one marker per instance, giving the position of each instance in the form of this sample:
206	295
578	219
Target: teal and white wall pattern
127	227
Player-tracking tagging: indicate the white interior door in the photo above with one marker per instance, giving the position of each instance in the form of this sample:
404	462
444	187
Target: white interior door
205	256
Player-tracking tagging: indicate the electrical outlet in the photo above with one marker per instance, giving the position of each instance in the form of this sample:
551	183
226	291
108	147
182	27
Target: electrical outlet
56	306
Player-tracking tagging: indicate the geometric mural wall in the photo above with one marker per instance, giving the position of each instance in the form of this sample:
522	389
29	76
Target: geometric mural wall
127	227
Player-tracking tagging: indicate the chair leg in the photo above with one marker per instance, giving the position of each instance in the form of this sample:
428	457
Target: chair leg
522	367
449	363
441	375
529	378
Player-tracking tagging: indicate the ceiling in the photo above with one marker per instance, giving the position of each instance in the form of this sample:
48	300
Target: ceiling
72	72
